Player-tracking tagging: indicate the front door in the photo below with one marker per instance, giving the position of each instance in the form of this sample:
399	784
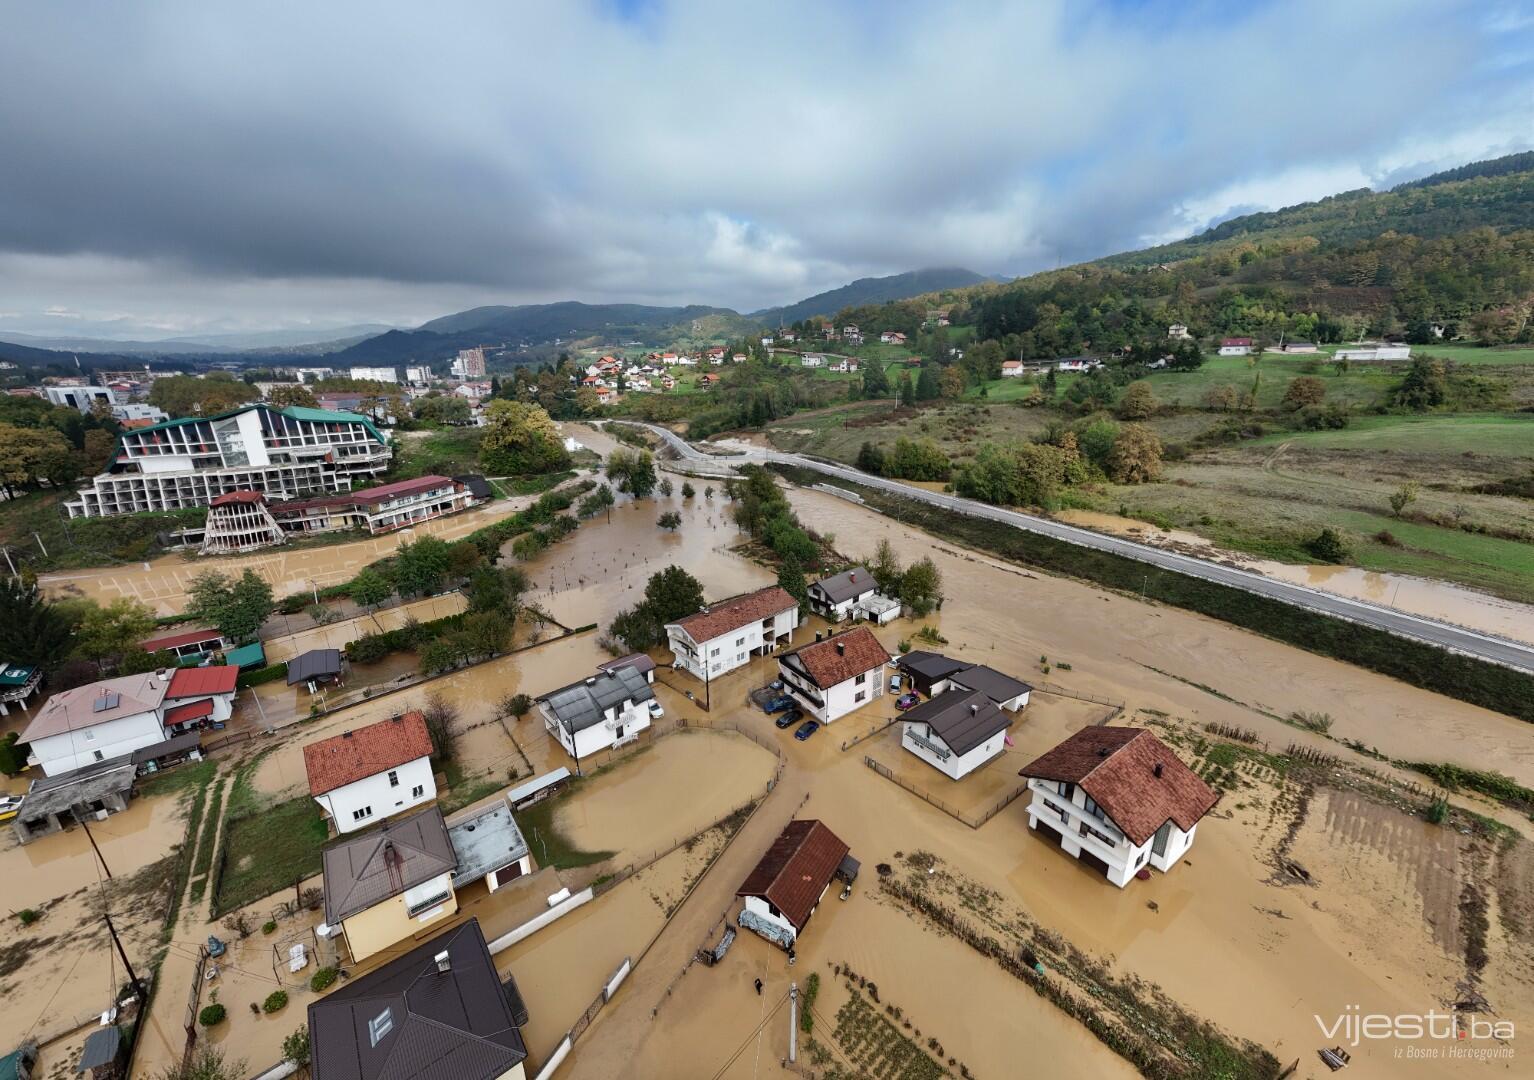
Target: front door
1158	846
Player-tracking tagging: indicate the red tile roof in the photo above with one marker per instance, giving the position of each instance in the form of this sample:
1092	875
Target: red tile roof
738	611
186	637
202	681
192	710
231	497
797	867
355	755
402	487
1117	767
841	656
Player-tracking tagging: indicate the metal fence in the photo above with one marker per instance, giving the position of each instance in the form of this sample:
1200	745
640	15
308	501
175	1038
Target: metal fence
973	821
194	999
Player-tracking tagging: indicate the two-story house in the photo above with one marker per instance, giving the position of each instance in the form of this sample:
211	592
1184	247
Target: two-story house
601	712
956	732
833	598
1118	799
374	772
832	677
389	884
725	635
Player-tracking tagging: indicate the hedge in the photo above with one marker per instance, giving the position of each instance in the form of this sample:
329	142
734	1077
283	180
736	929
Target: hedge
261	675
1478	682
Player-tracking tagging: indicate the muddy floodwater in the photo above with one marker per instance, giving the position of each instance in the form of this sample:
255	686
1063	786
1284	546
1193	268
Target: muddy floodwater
1418	596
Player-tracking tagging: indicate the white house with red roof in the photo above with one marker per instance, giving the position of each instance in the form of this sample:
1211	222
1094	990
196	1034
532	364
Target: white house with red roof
1012	369
112	718
725	635
832	677
1236	346
1118	799
359	777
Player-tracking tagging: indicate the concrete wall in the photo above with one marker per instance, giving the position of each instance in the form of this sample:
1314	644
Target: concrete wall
376	792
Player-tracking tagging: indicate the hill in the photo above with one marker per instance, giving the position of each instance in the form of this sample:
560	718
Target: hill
871	291
568	319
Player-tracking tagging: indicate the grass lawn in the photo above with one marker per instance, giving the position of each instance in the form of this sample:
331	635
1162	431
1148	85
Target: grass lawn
548	846
448	452
1480	433
178	780
266	851
35	521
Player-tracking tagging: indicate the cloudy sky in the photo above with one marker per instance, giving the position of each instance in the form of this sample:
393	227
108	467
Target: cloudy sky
188	167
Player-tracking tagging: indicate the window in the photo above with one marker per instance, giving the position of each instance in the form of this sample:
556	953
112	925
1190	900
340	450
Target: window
713	652
362	813
380	1026
394	778
417	791
861	679
90	735
97	754
1095	810
860	695
740	641
1066	788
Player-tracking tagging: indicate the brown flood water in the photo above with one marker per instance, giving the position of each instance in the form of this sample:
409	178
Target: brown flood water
1418	596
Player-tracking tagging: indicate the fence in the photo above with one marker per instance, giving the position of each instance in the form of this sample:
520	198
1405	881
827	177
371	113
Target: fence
953	812
1056	690
850	743
194	999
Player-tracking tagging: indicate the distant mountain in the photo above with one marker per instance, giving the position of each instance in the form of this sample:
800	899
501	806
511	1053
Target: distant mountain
568	319
871	291
62	362
297	342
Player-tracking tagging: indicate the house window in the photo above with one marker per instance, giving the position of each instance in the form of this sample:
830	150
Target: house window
860	695
713	652
417	791
861	679
362	813
394	778
97	754
1066	789
90	736
1093	809
740	641
380	1026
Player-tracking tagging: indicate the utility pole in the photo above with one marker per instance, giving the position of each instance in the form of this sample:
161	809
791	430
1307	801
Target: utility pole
84	825
793	1022
143	995
8	561
40	544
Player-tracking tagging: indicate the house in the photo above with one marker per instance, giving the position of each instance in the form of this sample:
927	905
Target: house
381	509
1292	347
685	361
606	395
850	330
315	668
1178	332
767	342
834	597
1011	369
811	360
845	363
708	382
440	1012
783	890
488	846
1008	693
110	719
715	354
955	733
1077	363
928	672
1236	346
787	338
832	677
53	802
725	635
601	712
239	521
828	332
1375	351
738	358
386	884
1117	798
374	772
638	661
187	643
892	337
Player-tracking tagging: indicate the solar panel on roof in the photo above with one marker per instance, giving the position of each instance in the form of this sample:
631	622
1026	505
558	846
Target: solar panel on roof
106	702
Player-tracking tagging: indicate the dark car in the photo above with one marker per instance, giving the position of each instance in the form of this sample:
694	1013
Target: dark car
789	718
806	729
907	701
778	704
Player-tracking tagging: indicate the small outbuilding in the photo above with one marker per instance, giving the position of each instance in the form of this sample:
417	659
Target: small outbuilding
488	844
928	671
105	1054
317	667
1008	693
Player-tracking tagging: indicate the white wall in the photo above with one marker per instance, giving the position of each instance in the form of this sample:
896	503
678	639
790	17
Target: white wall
377	793
633	718
255	440
1123	858
757	906
75	749
955	766
734	649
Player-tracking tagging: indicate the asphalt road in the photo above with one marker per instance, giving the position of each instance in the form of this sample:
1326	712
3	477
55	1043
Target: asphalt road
1445	635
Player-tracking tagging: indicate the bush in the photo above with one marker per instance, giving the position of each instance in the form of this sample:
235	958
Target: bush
1329	546
274	1001
322	979
1438	810
262	675
28	916
269	927
212	1014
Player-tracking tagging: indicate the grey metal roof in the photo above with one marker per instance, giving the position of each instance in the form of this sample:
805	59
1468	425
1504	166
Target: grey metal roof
443	1025
581	705
312	664
929	665
176	745
486	841
995	685
846	585
537	784
55	794
963	719
101	1048
357	871
638	661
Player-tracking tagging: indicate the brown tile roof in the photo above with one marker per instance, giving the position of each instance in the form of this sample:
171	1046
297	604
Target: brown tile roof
841	656
354	755
368	868
738	611
797	867
1117	766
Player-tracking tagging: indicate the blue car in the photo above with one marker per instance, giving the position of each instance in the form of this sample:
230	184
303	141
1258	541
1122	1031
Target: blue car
778	704
788	719
806	729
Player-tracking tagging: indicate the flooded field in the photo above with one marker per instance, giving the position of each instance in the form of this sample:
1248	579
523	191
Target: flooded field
1419	596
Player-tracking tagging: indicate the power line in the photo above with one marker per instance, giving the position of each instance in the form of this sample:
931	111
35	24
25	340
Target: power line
741	1049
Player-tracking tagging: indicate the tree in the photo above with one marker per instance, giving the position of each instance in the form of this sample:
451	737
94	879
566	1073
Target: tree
791	580
1136	455
97	452
670	521
907	391
188	395
288	394
633	471
440	716
927	388
673	594
1221	398
687	490
491	589
1329	546
295	1048
1139	401
1426	385
871	459
1403	497
208	1063
951	382
921	587
514	706
421	566
886	569
598	501
370	588
1096	438
1305	390
29	456
236	609
876	383
665	487
923	460
520	440
112	631
33	632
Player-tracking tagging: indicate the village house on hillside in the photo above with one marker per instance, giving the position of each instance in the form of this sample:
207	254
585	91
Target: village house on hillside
1178	332
955	732
374	772
1117	798
787	885
1012	369
832	677
440	1012
384	885
724	635
601	712
1236	346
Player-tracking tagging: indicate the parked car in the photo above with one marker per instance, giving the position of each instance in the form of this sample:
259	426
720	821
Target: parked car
894	684
907	701
9	805
806	729
778	704
657	710
789	718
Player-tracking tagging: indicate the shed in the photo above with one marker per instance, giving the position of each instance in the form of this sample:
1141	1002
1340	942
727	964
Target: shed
316	665
102	1055
246	656
538	788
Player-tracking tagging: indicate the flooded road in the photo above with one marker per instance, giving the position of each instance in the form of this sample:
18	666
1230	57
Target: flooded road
1418	596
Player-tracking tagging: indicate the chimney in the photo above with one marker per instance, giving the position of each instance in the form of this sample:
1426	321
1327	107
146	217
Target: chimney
591	680
444	962
346	734
1157	769
612	673
817	635
841	648
852	575
974	709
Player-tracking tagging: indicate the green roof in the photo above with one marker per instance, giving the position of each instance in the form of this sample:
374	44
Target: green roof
246	656
15	674
293	412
